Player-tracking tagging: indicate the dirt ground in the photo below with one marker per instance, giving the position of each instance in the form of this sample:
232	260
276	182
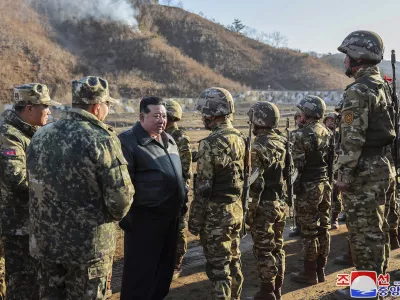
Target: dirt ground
194	284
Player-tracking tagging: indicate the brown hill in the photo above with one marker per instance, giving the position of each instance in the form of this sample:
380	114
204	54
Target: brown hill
233	55
176	54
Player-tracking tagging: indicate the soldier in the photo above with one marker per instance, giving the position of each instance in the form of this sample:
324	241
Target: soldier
266	216
174	115
216	211
299	126
330	122
31	110
79	185
310	157
365	173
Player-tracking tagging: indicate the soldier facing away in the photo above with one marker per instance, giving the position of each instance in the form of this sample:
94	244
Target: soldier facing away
266	216
31	110
310	157
216	211
330	122
79	186
174	115
365	173
299	126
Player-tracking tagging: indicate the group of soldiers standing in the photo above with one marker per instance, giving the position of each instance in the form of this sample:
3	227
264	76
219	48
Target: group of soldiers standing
364	181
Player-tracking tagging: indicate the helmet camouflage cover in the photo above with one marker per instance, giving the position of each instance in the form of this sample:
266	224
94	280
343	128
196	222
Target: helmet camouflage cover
332	115
31	94
215	101
364	45
91	90
174	109
265	114
312	106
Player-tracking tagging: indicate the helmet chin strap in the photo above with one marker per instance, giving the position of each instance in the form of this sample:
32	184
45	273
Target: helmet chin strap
207	122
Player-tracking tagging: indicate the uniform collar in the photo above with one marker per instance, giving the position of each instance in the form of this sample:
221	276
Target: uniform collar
221	126
11	117
366	71
144	137
81	114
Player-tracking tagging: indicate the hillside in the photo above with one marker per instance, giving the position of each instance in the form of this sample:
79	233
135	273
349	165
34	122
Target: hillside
176	53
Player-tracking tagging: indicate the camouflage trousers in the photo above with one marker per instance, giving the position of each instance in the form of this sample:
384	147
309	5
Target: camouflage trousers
336	200
223	267
21	268
366	218
267	234
2	273
313	205
181	246
74	281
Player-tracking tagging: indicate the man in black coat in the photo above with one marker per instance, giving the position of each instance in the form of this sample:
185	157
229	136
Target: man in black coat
151	226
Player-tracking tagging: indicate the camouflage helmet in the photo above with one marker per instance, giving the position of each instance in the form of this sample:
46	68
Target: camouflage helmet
215	101
91	90
332	115
265	114
312	106
339	106
364	45
174	109
31	94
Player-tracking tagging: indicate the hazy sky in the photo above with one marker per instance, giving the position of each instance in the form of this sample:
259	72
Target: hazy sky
310	25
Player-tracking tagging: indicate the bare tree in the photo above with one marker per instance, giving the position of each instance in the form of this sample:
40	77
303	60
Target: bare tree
274	39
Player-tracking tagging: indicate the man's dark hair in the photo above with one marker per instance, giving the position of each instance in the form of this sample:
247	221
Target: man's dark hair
19	109
146	101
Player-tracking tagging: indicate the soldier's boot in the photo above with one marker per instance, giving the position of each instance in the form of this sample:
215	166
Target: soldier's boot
394	239
321	263
266	292
178	268
345	259
342	217
278	287
334	221
295	232
309	275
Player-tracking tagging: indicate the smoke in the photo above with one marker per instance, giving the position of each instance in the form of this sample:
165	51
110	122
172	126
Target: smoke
121	11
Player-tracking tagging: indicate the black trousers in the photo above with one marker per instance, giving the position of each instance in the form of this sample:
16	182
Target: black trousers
149	256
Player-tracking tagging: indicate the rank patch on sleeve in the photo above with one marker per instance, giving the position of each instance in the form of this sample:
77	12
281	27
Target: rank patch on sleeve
348	117
9	152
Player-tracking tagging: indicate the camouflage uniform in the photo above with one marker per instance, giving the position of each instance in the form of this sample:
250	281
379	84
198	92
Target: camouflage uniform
266	211
216	211
364	165
183	143
15	137
367	132
79	184
312	188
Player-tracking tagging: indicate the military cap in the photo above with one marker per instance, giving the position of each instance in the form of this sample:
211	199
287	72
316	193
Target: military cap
32	94
91	90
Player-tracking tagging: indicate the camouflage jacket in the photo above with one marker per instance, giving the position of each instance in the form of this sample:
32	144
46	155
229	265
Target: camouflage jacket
268	155
15	136
366	126
219	181
185	153
78	184
310	152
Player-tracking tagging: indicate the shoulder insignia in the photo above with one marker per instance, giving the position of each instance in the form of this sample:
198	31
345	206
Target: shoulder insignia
9	152
348	117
